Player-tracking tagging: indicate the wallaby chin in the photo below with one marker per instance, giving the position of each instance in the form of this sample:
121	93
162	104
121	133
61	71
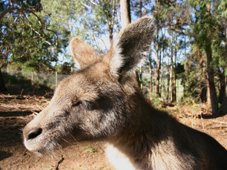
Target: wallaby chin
103	101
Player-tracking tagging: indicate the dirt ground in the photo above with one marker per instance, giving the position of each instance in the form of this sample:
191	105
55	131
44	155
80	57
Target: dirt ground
16	111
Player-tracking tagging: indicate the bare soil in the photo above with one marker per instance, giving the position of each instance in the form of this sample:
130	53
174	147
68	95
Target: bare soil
17	110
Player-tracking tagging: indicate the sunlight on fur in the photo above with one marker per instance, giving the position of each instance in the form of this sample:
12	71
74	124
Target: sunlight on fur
118	159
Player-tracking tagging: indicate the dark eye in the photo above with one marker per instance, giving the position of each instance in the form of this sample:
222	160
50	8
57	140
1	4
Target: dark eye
85	104
78	103
89	105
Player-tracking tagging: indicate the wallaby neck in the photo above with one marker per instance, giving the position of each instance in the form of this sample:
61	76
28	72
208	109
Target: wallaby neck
146	129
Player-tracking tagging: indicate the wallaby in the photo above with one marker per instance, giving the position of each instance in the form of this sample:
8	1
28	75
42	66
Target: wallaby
102	101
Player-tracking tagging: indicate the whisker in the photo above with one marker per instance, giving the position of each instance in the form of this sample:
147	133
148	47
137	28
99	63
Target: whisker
74	139
66	141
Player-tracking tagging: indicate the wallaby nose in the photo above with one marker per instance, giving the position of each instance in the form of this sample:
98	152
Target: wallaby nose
33	133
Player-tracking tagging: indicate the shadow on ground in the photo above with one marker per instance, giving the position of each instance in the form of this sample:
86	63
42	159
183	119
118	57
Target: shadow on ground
15	113
209	116
11	128
20	85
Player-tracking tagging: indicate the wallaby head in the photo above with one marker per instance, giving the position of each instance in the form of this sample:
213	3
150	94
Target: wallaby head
98	100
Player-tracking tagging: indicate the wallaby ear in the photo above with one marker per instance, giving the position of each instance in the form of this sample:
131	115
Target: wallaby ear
129	49
83	53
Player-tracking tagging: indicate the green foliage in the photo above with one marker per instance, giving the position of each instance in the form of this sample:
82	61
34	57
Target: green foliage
87	19
90	150
27	38
34	35
156	101
192	85
64	68
20	84
180	70
222	8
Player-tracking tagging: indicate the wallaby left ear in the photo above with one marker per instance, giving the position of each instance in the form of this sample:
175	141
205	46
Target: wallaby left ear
128	50
83	53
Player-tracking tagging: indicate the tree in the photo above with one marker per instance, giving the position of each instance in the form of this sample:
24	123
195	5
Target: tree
125	12
27	40
205	33
173	59
223	108
172	17
158	65
85	18
222	10
6	8
2	84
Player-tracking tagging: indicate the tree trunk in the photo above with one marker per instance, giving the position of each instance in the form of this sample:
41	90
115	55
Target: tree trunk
203	92
110	30
125	12
208	95
168	87
158	68
223	109
140	7
212	96
221	88
151	75
2	83
111	16
150	71
173	70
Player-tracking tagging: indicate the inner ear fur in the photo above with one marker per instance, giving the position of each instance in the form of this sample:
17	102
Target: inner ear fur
129	49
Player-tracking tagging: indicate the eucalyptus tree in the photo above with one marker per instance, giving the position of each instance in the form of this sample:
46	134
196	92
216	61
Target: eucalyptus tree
208	35
85	18
26	37
222	18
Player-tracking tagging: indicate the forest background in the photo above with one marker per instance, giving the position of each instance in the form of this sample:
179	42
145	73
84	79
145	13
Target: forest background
187	62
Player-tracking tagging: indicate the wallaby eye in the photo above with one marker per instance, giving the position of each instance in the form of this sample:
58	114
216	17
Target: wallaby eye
77	103
89	105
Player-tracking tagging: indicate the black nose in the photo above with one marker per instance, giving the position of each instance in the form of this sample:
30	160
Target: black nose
34	133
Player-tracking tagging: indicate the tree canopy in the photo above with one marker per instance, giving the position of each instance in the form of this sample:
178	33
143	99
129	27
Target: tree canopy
189	44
